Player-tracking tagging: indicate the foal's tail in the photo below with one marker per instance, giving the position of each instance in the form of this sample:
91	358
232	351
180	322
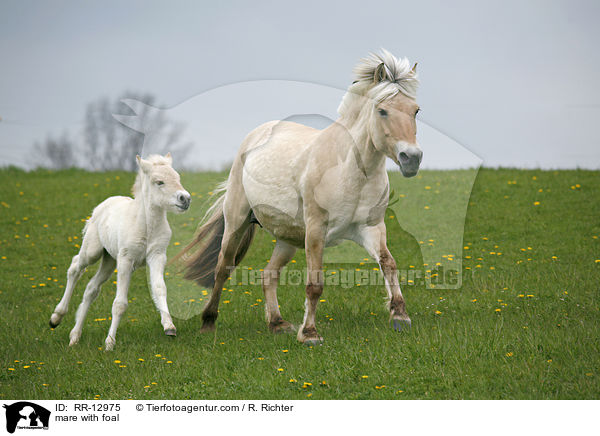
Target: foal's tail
200	266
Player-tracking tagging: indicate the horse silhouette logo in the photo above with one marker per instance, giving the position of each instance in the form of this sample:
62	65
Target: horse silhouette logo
26	415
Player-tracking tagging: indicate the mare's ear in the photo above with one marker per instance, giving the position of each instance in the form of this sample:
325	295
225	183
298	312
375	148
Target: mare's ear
143	164
414	68
380	73
169	158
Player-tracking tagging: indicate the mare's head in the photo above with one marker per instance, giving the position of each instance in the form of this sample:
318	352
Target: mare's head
382	100
160	184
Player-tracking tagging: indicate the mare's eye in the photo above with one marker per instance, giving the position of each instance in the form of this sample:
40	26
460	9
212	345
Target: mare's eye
383	112
160	183
417	111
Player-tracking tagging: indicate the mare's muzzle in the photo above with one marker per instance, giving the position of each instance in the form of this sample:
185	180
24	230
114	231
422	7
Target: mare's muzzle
409	157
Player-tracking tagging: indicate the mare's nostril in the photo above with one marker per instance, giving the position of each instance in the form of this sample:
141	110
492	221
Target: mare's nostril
403	157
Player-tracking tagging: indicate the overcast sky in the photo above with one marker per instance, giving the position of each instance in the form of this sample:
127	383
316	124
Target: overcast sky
516	83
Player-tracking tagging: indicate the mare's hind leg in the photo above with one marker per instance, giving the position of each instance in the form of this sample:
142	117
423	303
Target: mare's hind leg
92	290
282	254
373	239
90	252
225	265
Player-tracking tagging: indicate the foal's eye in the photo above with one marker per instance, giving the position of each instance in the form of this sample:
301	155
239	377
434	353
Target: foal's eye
417	111
383	112
160	183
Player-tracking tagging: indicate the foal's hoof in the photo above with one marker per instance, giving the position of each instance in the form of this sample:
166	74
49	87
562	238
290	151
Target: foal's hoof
54	320
400	324
281	326
171	332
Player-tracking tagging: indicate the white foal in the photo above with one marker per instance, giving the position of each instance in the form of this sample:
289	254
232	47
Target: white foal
128	232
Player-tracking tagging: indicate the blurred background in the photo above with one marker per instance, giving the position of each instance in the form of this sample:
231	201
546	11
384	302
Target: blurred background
511	84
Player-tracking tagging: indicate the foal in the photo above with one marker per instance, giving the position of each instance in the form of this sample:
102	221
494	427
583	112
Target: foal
128	232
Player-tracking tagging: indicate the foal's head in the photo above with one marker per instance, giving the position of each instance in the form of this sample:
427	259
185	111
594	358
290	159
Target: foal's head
160	184
384	98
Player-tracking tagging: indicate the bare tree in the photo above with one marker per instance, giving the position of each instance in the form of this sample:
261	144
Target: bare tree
55	153
107	144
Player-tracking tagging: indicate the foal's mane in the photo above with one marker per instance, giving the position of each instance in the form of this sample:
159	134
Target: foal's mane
399	78
155	159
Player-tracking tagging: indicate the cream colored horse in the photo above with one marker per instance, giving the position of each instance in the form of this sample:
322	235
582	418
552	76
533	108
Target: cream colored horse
313	188
127	233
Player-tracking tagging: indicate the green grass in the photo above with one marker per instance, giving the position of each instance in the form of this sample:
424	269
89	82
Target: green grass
542	344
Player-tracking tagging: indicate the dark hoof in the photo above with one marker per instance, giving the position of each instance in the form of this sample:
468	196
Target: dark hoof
208	328
400	324
313	342
52	325
171	332
281	327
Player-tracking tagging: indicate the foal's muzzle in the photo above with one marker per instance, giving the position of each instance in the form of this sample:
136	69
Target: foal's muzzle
409	157
183	200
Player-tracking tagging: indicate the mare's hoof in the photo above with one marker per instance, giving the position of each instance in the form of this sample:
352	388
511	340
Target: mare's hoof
282	327
171	332
313	342
401	324
208	328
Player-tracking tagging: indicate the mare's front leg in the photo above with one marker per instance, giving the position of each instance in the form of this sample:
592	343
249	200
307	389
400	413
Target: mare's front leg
158	290
373	239
314	245
124	271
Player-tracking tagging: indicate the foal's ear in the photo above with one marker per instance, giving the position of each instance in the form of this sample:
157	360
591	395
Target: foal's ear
414	68
143	164
380	73
169	158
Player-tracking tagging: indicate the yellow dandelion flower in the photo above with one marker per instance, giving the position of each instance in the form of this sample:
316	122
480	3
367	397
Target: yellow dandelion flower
498	310
280	369
510	354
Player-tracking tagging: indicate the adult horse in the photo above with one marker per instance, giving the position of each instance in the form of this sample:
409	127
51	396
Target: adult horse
313	188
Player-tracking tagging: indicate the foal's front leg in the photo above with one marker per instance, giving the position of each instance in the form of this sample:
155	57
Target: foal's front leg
158	289
124	271
373	239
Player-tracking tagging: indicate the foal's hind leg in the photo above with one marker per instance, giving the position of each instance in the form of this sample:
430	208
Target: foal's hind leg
282	254
373	239
90	252
92	290
124	271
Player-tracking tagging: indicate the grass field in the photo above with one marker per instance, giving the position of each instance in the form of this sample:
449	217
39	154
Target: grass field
525	324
